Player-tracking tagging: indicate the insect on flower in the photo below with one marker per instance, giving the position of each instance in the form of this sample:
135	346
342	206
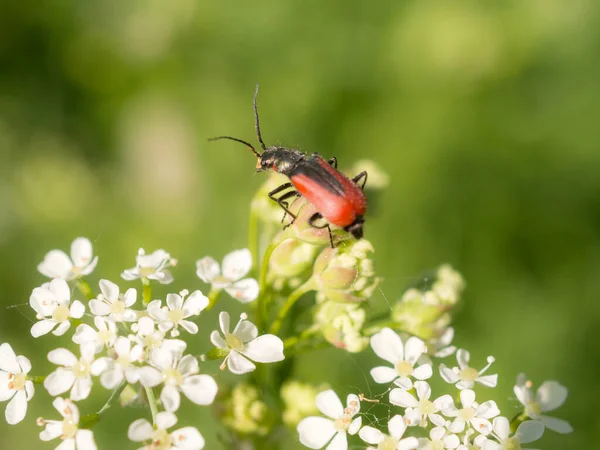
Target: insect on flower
338	199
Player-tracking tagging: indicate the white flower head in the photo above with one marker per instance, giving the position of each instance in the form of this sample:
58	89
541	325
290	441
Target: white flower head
464	376
57	264
315	432
235	266
528	431
74	373
113	371
154	266
420	409
103	336
389	346
439	438
549	396
394	441
52	303
14	385
73	438
187	438
472	414
179	374
172	316
114	305
244	345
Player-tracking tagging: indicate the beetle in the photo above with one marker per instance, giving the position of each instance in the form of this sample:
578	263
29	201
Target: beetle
338	199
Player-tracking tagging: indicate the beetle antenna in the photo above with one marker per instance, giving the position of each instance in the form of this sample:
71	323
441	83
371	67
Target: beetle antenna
256	124
247	144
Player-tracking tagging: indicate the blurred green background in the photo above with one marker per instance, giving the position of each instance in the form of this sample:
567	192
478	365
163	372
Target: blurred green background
484	114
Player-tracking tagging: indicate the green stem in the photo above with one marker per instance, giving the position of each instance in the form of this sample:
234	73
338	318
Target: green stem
152	402
517	420
37	379
213	296
291	300
262	281
147	292
253	239
293	341
116	393
84	288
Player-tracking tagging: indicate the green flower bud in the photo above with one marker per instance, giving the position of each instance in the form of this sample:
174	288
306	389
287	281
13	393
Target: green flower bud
449	285
346	274
341	324
245	413
378	178
418	314
262	206
299	402
289	260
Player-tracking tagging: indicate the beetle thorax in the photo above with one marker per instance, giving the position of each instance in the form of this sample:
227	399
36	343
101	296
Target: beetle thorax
280	159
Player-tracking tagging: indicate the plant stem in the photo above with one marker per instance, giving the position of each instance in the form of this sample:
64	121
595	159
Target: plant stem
253	239
116	393
152	402
293	298
292	341
147	292
213	296
262	281
84	288
37	379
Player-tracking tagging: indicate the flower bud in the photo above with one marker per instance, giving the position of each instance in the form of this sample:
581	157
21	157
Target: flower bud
341	323
245	413
302	230
289	260
262	206
346	274
378	178
299	401
448	285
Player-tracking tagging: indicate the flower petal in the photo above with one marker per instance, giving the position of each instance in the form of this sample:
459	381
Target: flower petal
387	345
59	381
413	349
448	375
245	291
165	420
110	290
149	376
188	326
99	307
56	264
555	424
237	364
174	301
463	357
170	398
265	349
42	327
329	404
396	426
207	269
77	309
339	442
488	380
16	408
8	359
24	364
423	372
423	390
488	409
62	328
383	374
371	435
467	397
400	397
188	438
81	252
81	389
409	443
195	303
224	322
551	395
217	340
501	427
315	432
483	426
188	365
528	431
200	389
237	264
246	331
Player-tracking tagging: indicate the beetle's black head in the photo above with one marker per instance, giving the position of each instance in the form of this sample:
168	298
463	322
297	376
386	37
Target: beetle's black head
356	228
279	159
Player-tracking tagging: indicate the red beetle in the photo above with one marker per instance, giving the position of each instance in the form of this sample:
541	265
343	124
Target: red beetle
336	197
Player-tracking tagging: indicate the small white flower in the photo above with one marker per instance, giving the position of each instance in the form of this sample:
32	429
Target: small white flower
442	346
52	303
528	431
477	443
67	429
244	345
104	336
389	346
147	335
314	432
177	310
113	304
394	441
57	264
472	413
419	409
151	267
14	385
114	371
75	374
465	376
187	438
178	374
439	438
549	396
235	266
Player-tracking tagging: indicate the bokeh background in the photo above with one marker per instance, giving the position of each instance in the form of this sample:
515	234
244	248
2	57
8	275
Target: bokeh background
484	114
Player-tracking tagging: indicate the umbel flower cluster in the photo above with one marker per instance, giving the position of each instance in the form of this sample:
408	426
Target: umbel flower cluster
115	340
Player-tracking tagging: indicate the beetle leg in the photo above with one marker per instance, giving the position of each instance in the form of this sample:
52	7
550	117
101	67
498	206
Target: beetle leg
316	216
281	201
358	177
332	162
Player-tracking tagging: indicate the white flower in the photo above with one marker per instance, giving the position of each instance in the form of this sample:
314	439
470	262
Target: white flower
465	376
147	336
52	303
419	409
113	304
57	264
472	413
477	443
187	438
439	438
67	429
151	267
442	346
178	374
104	336
244	345
549	396
528	431
114	371
235	266
14	385
314	432
75	374
388	345
394	441
177	310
